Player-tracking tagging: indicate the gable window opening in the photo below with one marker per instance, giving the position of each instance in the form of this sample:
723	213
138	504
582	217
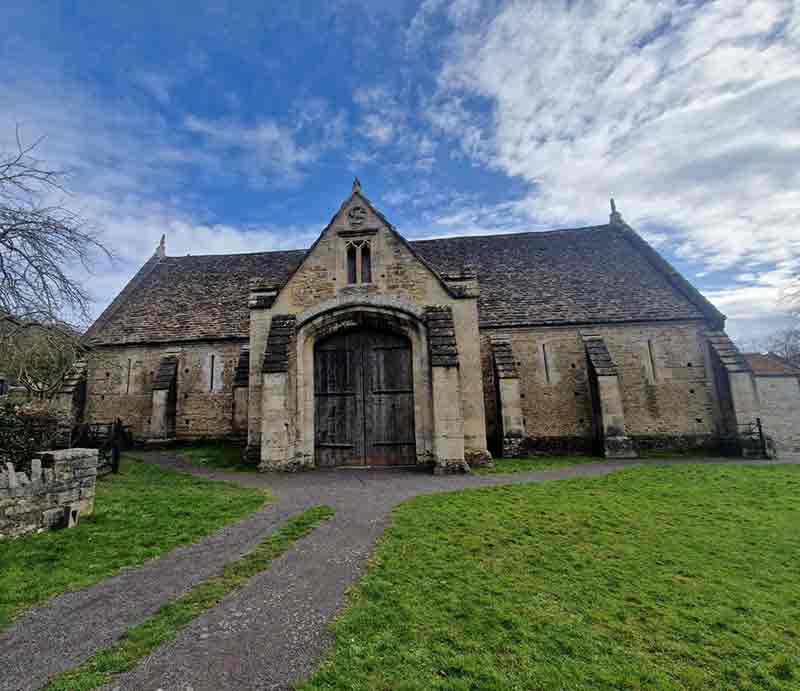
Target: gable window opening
359	262
351	264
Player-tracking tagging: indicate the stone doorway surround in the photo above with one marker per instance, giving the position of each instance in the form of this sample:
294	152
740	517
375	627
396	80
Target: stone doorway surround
287	407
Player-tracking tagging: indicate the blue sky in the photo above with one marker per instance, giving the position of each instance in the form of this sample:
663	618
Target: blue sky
236	126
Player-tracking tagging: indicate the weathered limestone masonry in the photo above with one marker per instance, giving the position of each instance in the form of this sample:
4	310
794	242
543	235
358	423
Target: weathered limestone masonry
53	492
369	349
506	376
397	291
604	387
448	418
162	421
121	383
780	411
665	384
71	397
737	395
778	390
277	447
241	380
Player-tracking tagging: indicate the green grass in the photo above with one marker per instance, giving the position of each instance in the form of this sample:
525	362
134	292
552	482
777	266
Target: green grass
139	514
219	456
662	578
166	624
532	463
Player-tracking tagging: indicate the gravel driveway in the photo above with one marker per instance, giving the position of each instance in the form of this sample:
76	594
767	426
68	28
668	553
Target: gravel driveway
271	632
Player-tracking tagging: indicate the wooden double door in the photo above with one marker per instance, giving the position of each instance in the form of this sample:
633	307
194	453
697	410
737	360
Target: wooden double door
364	400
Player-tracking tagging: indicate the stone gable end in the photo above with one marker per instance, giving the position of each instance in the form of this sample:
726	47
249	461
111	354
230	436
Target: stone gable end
394	270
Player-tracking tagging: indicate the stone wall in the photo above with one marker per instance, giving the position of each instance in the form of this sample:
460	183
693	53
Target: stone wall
399	282
120	381
667	394
53	491
780	411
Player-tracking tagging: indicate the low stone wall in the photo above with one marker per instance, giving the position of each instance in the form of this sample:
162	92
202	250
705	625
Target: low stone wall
55	489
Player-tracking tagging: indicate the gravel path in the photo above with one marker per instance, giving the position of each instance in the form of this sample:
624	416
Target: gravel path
271	632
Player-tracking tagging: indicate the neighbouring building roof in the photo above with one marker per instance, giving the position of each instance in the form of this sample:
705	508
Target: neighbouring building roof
576	276
771	365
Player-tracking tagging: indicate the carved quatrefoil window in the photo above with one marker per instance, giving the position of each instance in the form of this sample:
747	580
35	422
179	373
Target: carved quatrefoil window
357	216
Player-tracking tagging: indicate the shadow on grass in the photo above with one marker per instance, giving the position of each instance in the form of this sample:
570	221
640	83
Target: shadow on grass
218	456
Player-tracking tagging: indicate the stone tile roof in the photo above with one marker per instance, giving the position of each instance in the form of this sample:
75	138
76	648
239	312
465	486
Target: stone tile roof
770	365
586	275
191	298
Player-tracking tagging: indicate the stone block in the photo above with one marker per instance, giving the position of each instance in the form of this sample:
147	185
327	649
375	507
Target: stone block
11	475
54	518
478	458
36	470
450	466
619	447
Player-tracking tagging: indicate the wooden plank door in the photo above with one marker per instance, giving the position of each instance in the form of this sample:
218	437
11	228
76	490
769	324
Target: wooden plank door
338	401
364	400
388	400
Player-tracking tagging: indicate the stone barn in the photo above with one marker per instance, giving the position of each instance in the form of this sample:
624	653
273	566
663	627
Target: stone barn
367	349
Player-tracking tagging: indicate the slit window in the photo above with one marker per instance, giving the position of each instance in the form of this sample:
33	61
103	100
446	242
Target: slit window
128	380
652	355
359	262
211	378
352	252
546	364
366	264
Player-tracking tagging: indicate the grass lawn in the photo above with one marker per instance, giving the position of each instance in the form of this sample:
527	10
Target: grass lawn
165	625
219	456
531	463
661	578
139	514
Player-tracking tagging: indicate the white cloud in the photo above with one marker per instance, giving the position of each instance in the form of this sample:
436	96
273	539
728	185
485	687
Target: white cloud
685	112
266	150
124	168
387	124
374	127
359	159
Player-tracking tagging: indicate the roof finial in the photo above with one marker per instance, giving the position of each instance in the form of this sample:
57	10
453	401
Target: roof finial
356	185
616	217
161	250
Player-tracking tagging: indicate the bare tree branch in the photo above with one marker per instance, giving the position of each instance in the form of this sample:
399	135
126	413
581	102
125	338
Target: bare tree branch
42	244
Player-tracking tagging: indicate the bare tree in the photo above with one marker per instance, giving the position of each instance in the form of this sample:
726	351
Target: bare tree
786	343
41	244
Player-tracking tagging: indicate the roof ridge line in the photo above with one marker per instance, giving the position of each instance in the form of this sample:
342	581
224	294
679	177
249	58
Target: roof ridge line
551	231
232	254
